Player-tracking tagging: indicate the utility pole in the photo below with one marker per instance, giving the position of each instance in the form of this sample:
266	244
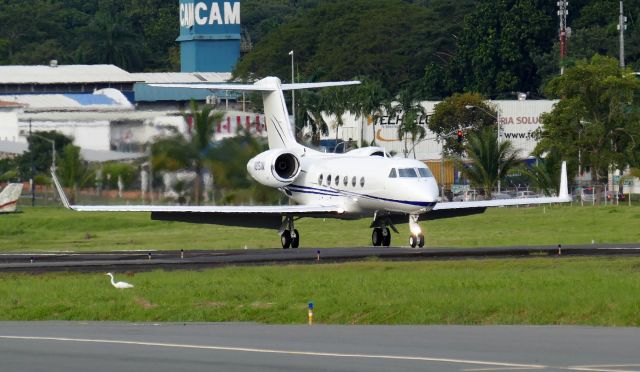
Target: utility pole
563	10
622	25
293	95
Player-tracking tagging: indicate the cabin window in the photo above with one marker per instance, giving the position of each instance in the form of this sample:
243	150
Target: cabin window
425	172
362	182
353	181
329	180
337	180
393	174
320	179
345	180
407	173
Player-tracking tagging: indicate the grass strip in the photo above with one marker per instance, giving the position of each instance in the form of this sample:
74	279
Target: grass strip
570	291
57	229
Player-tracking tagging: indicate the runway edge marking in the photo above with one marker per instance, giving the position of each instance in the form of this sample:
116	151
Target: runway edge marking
275	351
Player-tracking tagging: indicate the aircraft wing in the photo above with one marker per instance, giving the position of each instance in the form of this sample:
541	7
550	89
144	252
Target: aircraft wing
266	216
563	197
499	203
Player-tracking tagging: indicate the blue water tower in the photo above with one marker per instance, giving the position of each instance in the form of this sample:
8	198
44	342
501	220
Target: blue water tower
209	35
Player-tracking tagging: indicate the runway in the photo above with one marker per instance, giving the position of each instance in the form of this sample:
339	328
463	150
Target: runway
66	346
197	259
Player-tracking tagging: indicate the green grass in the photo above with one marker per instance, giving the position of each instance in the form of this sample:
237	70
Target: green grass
585	291
55	229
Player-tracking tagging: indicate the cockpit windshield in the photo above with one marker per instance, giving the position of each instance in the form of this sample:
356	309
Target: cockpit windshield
425	172
407	172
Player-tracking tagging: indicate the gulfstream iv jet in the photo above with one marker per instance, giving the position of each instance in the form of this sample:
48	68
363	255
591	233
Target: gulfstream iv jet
365	182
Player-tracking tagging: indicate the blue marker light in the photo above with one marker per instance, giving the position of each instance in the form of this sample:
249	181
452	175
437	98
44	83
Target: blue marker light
310	305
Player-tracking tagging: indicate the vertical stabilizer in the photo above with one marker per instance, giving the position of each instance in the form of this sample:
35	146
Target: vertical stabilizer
9	197
279	129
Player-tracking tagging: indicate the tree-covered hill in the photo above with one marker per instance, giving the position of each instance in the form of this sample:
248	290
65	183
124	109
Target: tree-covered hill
495	47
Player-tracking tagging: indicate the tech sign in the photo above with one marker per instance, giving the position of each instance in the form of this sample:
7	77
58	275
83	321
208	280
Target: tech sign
203	13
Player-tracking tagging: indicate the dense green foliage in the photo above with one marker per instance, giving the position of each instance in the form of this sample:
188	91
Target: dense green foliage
495	47
571	291
598	116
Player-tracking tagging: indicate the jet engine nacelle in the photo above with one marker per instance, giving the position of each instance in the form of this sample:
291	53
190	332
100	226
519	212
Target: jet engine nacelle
274	168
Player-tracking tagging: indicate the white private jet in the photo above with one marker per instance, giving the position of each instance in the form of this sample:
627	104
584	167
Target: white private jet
365	182
9	197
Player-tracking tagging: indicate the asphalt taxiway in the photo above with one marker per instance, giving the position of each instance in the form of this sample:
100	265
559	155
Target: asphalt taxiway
74	346
198	259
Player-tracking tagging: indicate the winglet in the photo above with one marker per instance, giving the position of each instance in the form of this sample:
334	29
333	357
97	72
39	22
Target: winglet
63	197
564	185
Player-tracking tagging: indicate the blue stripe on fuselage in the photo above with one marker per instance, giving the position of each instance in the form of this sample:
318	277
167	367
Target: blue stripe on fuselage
336	192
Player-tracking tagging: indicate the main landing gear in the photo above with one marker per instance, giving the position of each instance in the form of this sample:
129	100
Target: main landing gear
289	236
381	235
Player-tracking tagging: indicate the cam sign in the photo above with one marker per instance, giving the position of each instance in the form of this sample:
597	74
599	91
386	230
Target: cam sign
209	13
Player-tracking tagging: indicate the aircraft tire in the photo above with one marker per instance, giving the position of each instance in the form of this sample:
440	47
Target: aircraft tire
386	238
376	237
420	240
285	239
413	240
295	242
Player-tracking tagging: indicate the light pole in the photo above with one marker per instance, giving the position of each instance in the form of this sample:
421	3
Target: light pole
293	95
497	117
53	161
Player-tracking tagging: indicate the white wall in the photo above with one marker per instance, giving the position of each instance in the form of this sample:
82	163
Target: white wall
9	126
87	135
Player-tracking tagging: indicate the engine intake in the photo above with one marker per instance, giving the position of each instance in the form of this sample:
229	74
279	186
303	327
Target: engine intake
286	166
274	168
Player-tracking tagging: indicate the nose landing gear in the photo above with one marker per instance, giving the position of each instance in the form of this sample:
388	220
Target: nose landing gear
416	240
417	237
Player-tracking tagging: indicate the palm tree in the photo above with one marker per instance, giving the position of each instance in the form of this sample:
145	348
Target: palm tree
180	152
368	101
411	111
545	174
335	102
489	160
310	104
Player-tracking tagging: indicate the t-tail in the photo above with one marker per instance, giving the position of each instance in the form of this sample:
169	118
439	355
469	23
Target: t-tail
279	129
9	197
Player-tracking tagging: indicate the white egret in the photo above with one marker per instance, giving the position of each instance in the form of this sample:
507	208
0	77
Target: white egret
121	285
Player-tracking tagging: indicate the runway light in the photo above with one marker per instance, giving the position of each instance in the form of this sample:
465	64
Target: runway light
310	313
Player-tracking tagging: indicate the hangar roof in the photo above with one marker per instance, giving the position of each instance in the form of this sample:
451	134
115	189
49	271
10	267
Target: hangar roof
101	100
64	74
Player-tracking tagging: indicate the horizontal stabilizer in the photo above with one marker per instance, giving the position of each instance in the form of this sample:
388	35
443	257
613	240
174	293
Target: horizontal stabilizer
265	85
